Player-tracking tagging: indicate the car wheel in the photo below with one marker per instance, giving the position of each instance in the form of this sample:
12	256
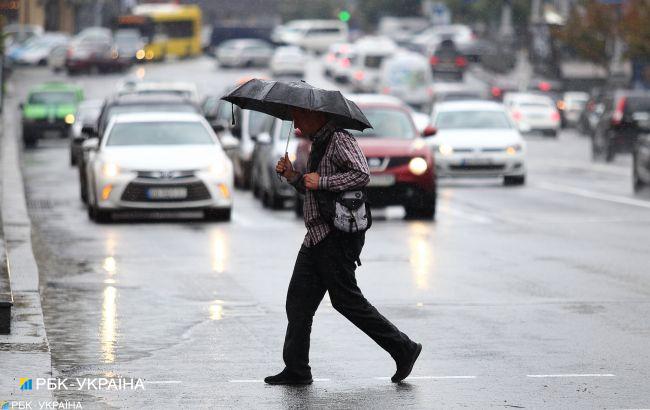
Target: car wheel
511	180
597	148
83	186
610	153
98	215
217	214
273	201
73	159
553	133
426	212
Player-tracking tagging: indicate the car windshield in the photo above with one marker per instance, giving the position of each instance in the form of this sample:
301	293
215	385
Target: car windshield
389	123
159	133
52	97
534	104
637	104
472	120
404	76
180	93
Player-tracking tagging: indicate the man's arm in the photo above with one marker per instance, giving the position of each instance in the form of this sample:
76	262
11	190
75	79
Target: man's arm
297	182
347	154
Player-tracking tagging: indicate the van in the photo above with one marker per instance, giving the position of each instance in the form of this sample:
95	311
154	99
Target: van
313	35
370	53
407	76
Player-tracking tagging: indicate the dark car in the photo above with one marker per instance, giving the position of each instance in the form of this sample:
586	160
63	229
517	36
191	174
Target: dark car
617	129
130	103
447	61
641	155
402	168
95	52
85	118
269	147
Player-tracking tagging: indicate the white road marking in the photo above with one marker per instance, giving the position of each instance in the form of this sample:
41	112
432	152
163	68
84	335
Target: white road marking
163	381
571	375
429	377
594	195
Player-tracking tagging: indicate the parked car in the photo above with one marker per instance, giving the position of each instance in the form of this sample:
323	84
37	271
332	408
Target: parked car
129	104
641	160
94	49
617	128
49	107
478	139
313	35
533	113
85	118
269	147
244	53
288	61
448	62
402	169
154	161
247	126
37	49
370	53
571	106
407	76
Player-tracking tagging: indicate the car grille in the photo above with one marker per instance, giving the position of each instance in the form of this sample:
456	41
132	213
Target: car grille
486	167
166	174
137	192
379	164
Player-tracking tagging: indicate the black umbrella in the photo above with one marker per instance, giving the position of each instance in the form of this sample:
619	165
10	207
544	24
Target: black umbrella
276	98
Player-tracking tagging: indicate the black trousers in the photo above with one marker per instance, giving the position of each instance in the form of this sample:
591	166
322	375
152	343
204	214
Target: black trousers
329	266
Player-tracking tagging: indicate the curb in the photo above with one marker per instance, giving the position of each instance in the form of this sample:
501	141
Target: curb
25	353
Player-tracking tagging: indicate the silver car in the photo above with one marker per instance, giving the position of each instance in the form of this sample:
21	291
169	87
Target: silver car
244	53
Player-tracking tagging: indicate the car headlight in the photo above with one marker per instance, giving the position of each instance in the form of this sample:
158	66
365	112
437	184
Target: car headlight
140	54
69	119
110	170
513	149
418	166
217	170
445	149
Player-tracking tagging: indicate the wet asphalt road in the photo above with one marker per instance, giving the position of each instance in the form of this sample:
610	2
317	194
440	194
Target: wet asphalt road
534	296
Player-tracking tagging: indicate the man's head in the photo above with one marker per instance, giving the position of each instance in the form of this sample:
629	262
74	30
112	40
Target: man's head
308	121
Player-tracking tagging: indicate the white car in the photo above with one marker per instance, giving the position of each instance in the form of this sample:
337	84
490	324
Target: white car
158	161
407	75
370	53
244	53
533	113
333	56
313	35
181	88
288	61
572	105
341	69
478	139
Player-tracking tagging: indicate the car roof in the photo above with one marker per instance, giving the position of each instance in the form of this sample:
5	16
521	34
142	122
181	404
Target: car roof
472	105
55	86
156	117
135	98
375	99
530	96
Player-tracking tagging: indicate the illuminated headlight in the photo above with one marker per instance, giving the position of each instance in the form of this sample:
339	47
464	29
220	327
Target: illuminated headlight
69	119
446	149
513	149
110	170
140	54
418	166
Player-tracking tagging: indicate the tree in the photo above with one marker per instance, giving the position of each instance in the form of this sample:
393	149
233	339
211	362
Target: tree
636	30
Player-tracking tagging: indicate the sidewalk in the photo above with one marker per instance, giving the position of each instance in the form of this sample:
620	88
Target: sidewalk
24	353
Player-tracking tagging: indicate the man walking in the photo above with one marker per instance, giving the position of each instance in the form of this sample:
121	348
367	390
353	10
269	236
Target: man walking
327	259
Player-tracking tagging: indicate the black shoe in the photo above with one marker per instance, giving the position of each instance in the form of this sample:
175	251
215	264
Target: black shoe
405	366
286	377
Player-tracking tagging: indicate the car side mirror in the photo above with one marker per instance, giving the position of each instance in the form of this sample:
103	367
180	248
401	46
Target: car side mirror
429	131
263	138
91	144
89	130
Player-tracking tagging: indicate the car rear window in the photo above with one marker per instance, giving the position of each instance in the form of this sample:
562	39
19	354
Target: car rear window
637	104
472	120
52	97
159	133
373	61
121	109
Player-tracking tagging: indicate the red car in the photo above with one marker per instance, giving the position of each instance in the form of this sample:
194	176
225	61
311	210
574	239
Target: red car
402	169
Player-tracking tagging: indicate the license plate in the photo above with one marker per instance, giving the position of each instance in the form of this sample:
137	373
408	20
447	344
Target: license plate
476	161
167	193
381	180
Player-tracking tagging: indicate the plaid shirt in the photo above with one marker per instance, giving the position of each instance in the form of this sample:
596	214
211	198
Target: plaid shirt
343	168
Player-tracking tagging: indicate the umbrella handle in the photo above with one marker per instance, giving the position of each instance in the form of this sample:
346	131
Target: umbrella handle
286	149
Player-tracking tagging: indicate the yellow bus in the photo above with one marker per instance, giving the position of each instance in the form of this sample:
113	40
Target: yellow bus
167	29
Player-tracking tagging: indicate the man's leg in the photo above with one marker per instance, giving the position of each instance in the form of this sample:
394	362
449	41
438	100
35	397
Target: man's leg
336	267
303	297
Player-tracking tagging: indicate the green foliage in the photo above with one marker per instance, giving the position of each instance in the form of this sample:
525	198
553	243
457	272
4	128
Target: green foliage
635	29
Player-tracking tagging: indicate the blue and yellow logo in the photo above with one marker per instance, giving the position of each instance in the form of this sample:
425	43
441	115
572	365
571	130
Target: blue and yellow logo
5	405
25	383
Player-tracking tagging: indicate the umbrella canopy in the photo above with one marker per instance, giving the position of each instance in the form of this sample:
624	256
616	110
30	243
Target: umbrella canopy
277	98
